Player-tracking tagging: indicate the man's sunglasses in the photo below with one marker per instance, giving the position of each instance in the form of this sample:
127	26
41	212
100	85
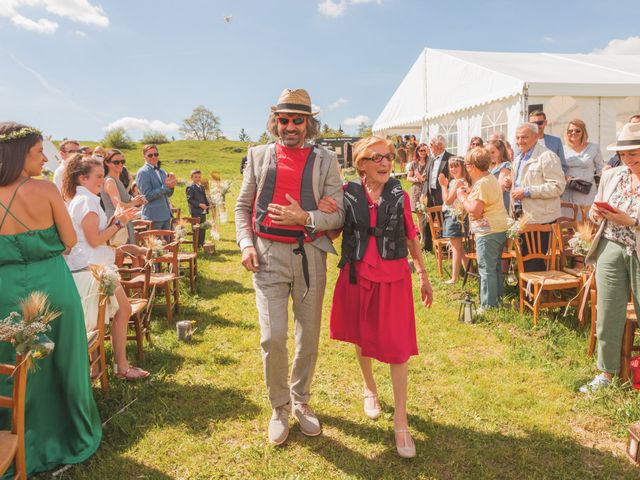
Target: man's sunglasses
377	158
296	120
151	155
117	162
539	122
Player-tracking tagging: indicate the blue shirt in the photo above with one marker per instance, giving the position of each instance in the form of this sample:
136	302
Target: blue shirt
518	180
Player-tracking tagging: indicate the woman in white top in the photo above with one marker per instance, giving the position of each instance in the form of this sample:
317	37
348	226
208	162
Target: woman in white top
584	162
81	185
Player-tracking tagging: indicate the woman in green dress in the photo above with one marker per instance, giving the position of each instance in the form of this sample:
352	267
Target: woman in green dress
61	417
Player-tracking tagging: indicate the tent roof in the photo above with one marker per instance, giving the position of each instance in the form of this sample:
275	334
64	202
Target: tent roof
442	82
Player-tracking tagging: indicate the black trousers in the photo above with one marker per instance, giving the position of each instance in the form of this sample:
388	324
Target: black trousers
425	231
538	264
201	233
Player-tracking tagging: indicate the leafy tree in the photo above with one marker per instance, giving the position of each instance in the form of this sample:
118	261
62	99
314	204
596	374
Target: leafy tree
117	138
154	137
201	125
328	132
364	130
264	138
243	137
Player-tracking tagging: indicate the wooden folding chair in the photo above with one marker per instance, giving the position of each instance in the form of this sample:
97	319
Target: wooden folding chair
573	215
469	243
435	219
188	260
543	289
141	225
97	352
12	448
628	346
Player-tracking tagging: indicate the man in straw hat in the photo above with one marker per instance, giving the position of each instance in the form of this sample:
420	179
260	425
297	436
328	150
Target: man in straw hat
281	234
615	251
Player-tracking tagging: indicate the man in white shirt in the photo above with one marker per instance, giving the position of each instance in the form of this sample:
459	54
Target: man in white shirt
67	148
438	163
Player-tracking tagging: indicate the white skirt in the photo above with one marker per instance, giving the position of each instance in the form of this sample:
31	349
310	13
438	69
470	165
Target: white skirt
88	288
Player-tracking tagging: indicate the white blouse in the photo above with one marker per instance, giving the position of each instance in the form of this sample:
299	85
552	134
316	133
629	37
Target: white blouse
82	253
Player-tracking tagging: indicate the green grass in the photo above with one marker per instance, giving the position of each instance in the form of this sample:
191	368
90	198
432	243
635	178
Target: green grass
492	400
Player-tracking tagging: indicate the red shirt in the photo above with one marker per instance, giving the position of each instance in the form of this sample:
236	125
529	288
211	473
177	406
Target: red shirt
289	169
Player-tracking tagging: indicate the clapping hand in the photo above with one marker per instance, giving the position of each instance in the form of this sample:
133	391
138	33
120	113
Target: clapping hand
171	180
127	214
138	200
442	180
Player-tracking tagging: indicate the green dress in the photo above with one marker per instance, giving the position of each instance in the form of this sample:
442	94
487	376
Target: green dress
61	418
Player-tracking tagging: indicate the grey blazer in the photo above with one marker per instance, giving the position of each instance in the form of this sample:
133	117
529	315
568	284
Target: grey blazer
608	184
327	181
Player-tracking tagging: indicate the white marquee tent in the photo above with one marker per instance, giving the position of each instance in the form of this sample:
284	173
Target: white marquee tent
461	94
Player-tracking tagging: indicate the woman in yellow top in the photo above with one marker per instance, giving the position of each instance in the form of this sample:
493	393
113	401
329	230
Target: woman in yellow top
488	221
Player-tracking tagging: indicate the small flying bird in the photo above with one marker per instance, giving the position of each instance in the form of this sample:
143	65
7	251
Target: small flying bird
227	18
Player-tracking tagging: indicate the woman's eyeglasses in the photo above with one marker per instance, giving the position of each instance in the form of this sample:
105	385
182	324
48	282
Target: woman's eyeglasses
377	158
117	162
571	131
286	120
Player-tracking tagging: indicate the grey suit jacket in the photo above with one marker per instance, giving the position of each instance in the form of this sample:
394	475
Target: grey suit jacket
327	181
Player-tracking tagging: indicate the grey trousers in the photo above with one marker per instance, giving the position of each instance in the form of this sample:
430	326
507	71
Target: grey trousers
280	278
617	275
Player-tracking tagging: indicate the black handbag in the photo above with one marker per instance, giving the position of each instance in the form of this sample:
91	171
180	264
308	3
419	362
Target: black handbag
578	185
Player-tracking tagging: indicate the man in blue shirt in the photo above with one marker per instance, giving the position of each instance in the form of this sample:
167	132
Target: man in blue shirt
549	141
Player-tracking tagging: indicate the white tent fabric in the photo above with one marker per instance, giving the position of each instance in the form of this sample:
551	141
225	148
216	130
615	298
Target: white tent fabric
450	91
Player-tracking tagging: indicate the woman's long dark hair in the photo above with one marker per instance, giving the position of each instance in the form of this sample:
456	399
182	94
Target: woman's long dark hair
13	153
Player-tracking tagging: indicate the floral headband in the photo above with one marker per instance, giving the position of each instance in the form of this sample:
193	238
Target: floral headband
16	134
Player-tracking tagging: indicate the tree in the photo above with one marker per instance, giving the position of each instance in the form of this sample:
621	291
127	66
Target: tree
243	137
201	125
364	130
264	138
328	132
152	136
117	138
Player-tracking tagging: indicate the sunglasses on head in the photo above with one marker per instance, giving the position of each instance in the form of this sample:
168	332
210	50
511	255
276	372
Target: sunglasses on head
117	162
150	155
286	120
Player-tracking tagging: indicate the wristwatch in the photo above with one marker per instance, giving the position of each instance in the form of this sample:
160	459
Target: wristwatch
118	224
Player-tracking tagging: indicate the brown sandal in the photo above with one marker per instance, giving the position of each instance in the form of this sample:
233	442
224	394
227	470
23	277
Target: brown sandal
132	374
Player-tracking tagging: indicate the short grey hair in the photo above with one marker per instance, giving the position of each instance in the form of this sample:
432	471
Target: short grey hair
530	125
439	140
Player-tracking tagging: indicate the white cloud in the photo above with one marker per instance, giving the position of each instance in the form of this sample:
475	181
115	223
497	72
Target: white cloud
618	46
331	8
356	121
41	26
338	103
81	34
547	39
81	11
143	125
316	108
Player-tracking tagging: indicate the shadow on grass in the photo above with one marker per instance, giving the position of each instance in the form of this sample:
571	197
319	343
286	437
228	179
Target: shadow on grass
446	451
127	468
211	288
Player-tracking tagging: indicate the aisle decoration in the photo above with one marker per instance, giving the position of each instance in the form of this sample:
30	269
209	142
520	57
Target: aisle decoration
582	239
180	230
156	245
515	227
107	278
26	330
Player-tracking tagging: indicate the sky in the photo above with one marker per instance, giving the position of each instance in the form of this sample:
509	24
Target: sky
75	68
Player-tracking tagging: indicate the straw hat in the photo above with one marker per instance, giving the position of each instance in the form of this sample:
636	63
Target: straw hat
294	101
629	138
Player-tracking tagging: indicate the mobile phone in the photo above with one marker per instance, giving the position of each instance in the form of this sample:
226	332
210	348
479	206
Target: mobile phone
605	206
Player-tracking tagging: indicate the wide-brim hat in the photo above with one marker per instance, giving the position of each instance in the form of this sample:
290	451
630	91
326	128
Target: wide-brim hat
629	138
294	101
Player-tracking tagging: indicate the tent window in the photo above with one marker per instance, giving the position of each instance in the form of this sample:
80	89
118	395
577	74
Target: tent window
450	133
494	122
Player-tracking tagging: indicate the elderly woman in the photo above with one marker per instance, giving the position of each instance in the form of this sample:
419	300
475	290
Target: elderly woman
615	252
373	298
584	162
114	194
416	176
488	221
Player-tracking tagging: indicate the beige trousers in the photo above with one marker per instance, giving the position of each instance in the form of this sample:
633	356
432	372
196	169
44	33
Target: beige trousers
279	279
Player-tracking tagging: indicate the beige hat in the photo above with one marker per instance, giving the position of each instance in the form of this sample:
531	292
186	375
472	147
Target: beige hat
629	138
294	101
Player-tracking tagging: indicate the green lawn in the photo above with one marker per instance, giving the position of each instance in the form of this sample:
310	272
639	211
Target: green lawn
492	400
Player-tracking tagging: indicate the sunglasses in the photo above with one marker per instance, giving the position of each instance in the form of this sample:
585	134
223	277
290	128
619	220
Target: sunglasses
286	120
475	144
116	162
574	130
423	150
72	151
151	155
539	122
377	158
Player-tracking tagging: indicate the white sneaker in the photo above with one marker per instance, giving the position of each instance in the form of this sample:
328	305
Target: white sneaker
600	381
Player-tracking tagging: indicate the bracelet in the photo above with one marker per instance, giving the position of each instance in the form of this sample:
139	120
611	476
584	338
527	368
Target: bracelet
636	224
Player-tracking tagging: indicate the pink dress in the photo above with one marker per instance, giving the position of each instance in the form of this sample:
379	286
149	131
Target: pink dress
377	312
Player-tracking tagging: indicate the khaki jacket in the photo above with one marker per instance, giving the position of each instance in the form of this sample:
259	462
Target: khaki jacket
608	184
327	181
544	177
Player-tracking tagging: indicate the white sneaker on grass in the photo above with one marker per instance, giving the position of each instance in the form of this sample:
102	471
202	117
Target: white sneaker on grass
600	381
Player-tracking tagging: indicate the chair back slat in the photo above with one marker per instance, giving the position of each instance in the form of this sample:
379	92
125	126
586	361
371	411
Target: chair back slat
16	404
435	219
532	237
